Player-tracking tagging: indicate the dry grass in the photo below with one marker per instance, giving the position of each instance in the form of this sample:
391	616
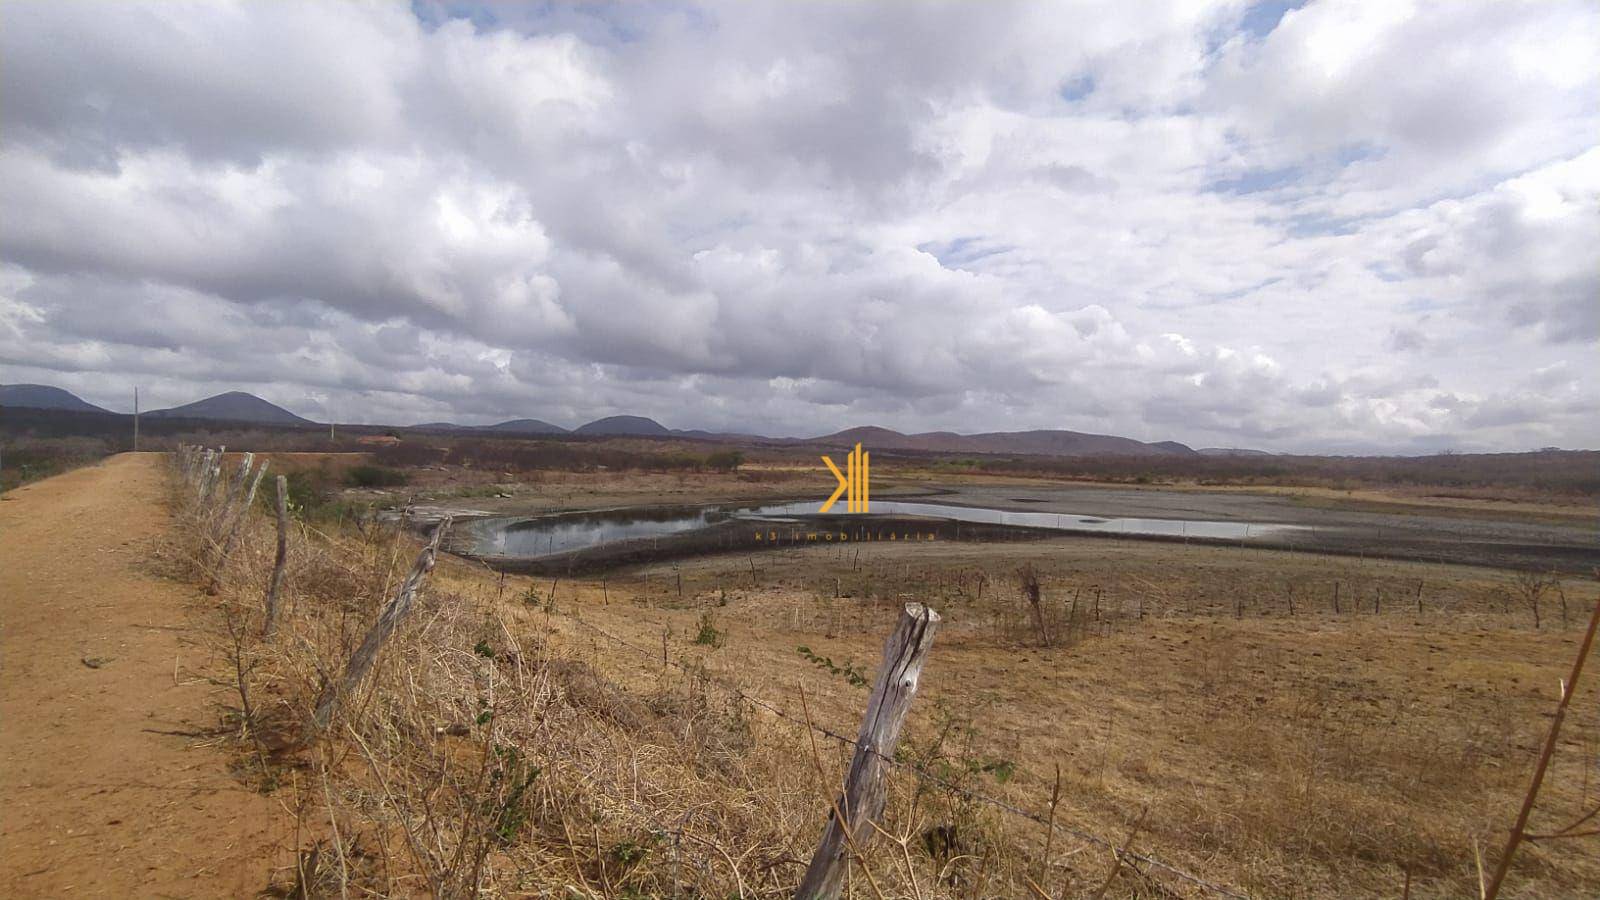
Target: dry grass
1212	695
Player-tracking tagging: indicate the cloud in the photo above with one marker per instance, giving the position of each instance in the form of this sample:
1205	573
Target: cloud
1351	226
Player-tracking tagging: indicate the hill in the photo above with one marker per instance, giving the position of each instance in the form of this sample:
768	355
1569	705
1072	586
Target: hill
525	426
1033	443
43	396
629	425
233	406
1231	451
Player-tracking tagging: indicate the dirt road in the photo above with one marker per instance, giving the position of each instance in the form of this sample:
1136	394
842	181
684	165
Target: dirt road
101	794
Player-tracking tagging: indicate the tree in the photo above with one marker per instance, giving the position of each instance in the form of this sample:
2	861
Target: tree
725	461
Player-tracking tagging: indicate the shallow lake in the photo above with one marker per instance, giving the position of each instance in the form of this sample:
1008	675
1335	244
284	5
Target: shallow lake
528	538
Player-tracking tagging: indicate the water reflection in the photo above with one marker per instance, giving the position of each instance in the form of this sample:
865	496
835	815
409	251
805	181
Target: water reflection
534	537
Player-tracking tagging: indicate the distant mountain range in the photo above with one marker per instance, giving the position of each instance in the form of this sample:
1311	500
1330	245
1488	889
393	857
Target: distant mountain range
637	425
240	407
526	426
1033	443
43	396
234	406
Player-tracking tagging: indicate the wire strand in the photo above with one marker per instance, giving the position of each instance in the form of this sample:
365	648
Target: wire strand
975	796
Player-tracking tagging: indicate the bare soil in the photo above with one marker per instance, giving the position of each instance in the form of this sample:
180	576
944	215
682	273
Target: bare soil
108	785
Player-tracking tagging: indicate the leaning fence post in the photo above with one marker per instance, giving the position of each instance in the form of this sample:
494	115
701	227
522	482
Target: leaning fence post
388	620
213	475
1518	830
270	618
203	484
237	522
865	789
236	489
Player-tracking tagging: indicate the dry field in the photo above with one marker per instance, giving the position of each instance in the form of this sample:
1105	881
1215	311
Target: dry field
1270	742
642	734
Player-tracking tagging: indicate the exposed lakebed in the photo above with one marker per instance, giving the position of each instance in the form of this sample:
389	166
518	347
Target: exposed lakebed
597	539
673	531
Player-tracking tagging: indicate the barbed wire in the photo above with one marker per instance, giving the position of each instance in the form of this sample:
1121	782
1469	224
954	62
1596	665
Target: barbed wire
1122	853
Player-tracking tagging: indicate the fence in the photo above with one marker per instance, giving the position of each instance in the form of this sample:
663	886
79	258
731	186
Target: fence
222	501
1003	806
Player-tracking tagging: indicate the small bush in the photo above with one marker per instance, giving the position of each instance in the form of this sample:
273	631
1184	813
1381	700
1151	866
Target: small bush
309	490
848	671
28	458
709	635
369	476
725	461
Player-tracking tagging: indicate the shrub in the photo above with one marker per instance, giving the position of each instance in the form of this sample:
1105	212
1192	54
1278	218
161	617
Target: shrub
29	458
309	489
725	461
709	635
409	453
369	476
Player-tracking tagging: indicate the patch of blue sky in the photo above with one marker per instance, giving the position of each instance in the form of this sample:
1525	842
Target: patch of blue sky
1349	154
1243	292
596	23
1385	272
1261	18
1258	21
1077	87
1255	181
434	13
963	252
1306	225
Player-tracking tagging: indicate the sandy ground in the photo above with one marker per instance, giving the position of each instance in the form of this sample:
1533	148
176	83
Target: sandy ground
104	790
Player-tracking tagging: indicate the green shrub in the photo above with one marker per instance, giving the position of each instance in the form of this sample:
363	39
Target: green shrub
709	635
848	671
369	476
309	490
725	461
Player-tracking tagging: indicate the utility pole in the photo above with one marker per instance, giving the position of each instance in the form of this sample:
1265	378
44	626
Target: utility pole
136	418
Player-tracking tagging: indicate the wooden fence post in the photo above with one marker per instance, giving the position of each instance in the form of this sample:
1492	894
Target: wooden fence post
865	788
237	523
235	487
270	618
388	620
213	474
203	482
1568	688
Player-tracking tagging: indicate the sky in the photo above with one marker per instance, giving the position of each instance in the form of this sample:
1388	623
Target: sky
1346	227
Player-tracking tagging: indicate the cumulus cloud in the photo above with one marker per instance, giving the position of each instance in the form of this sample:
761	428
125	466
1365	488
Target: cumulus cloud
1355	226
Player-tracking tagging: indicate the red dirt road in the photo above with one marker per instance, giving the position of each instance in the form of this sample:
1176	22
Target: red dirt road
98	797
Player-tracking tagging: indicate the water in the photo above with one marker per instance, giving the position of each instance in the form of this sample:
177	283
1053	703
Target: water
1053	521
534	537
526	538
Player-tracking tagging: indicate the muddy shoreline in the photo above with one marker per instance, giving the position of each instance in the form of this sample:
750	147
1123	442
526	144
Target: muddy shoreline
741	537
1568	549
